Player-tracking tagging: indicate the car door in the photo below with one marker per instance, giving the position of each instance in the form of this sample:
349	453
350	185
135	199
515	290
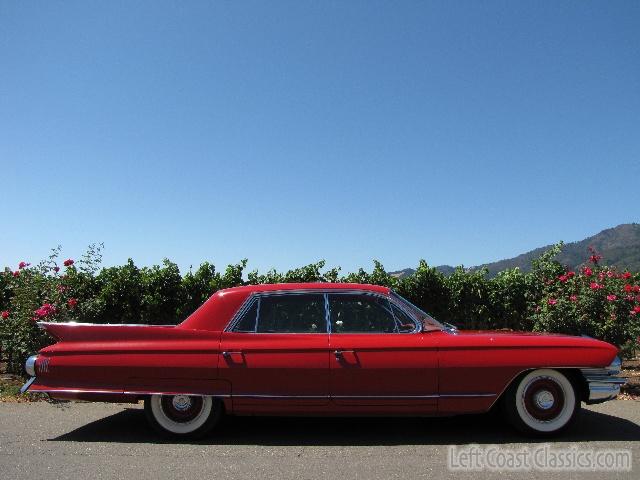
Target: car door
380	357
276	354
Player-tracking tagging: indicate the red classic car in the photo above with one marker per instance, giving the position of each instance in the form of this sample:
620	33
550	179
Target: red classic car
322	349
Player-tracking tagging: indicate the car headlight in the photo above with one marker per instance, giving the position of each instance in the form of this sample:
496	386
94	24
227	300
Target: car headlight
30	365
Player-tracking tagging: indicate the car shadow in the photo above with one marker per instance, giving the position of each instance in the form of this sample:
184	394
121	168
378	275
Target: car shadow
130	426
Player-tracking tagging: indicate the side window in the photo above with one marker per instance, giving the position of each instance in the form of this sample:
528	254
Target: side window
404	321
360	313
247	322
293	313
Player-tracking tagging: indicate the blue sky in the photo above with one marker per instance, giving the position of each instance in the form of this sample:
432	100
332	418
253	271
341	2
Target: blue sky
287	132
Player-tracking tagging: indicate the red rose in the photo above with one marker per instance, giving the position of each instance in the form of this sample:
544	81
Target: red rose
595	286
5	314
22	265
552	301
563	278
636	309
16	273
45	310
56	269
626	275
612	298
72	302
628	288
571	274
68	262
587	271
573	298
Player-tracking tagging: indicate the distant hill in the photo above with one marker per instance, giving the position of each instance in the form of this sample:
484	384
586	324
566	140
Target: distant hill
619	247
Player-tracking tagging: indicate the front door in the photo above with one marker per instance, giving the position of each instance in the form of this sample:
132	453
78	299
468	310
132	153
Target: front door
277	355
379	356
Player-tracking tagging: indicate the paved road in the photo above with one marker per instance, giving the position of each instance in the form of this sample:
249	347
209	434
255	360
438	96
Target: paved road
89	441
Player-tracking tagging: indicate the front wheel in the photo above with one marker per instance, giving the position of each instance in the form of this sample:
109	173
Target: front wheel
542	402
188	416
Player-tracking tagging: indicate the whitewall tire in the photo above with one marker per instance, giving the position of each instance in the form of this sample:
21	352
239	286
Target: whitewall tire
183	415
542	402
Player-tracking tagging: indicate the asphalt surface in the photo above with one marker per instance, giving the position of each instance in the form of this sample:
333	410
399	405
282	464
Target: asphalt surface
87	441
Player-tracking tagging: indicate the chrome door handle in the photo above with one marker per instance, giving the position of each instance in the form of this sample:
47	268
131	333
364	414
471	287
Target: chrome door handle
228	354
338	353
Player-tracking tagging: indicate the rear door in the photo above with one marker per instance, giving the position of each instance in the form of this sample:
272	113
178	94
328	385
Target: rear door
380	357
277	353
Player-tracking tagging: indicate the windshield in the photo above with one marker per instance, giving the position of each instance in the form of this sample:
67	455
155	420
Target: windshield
428	322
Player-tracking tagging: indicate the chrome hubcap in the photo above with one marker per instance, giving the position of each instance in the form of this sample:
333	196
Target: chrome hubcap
181	402
544	399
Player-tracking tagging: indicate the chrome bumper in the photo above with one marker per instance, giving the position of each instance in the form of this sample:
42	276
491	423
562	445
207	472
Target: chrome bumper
603	383
26	386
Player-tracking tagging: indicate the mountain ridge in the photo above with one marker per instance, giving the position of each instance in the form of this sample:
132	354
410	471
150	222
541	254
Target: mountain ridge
619	247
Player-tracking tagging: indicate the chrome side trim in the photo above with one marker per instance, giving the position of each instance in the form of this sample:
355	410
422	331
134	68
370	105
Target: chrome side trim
125	392
465	395
384	397
261	396
284	397
80	324
417	397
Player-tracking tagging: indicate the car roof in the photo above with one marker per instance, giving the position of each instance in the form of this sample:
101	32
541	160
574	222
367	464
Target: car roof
270	287
216	312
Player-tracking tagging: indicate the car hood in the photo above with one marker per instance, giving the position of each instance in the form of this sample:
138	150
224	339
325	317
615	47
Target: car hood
510	333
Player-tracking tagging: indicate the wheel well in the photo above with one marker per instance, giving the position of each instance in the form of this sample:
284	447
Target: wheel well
573	374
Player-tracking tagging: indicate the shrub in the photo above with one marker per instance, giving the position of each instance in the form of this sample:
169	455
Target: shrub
596	300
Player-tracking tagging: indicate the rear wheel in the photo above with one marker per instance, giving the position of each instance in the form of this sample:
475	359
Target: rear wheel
188	416
542	402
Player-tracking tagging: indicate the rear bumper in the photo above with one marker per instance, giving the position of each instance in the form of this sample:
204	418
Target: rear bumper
26	386
603	383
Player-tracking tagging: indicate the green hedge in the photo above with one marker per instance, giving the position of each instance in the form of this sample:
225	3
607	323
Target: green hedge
549	298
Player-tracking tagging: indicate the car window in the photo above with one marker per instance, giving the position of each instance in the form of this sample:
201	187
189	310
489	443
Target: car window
360	313
247	322
404	321
293	313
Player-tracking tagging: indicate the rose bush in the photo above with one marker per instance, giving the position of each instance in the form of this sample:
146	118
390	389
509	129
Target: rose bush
598	301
